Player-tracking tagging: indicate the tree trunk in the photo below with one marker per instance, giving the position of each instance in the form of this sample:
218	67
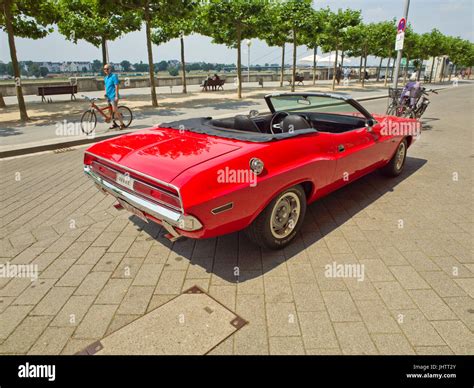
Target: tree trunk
432	68
16	68
386	72
365	67
2	101
393	68
151	69
314	64
239	59
379	69
334	69
282	74
419	70
105	56
183	63
342	58
360	68
293	81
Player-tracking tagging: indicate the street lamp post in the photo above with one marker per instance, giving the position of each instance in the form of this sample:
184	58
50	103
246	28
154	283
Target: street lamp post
400	52
249	43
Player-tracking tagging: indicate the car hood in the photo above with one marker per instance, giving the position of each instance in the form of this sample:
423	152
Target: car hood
161	153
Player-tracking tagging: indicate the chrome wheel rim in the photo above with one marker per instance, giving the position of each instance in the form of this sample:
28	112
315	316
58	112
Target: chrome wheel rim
285	215
400	156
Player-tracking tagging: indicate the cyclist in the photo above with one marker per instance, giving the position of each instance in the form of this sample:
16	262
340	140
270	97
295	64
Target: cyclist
111	83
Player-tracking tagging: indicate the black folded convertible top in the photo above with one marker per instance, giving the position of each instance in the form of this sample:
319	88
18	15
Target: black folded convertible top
204	125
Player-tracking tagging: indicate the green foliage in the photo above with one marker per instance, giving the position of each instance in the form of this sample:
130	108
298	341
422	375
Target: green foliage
95	21
31	19
125	65
338	25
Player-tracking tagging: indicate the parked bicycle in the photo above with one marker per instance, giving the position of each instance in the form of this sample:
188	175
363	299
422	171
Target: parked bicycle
89	117
408	102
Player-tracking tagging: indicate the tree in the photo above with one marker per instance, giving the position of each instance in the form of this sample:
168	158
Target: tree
336	26
297	16
276	33
229	22
27	19
178	25
125	65
96	66
151	11
95	21
385	34
433	46
313	32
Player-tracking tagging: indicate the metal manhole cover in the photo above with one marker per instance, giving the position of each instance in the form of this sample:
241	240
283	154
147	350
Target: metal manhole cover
191	323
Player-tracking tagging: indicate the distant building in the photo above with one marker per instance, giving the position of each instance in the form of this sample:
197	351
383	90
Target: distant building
75	67
53	67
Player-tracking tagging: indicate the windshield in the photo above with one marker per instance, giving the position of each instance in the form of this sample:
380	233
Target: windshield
317	104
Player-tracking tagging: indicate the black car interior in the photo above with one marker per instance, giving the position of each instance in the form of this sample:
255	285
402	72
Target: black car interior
284	122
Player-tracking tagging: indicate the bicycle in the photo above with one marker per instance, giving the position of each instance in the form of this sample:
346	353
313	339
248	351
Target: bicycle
89	117
394	107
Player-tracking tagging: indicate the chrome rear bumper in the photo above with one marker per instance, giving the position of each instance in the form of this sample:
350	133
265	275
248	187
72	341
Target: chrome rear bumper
169	218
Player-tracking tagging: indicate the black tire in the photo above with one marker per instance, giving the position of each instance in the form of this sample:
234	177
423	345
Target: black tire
88	122
395	166
262	232
127	116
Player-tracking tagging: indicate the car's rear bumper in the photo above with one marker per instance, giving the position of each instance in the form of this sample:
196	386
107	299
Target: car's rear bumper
170	219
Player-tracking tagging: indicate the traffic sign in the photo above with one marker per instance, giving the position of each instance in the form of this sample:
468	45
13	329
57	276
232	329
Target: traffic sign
404	61
402	24
400	40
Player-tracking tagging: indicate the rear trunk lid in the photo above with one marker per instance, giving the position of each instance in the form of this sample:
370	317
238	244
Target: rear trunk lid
161	153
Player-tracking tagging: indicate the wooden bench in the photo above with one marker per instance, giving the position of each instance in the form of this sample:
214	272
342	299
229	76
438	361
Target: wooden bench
298	80
213	84
55	90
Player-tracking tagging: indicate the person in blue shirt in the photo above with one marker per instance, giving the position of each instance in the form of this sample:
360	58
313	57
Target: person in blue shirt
111	83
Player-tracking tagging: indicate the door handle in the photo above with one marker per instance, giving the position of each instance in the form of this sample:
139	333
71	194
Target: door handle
341	148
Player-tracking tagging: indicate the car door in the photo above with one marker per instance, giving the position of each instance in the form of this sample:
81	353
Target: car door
357	153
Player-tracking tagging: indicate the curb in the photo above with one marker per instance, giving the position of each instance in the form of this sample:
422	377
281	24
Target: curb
74	143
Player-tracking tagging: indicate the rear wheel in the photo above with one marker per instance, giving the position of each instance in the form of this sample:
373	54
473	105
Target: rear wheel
279	222
127	116
88	122
396	164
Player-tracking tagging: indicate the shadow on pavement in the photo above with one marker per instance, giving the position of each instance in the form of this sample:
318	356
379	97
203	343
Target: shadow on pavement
361	193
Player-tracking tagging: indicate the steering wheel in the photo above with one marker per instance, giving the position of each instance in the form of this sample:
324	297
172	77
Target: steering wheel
278	125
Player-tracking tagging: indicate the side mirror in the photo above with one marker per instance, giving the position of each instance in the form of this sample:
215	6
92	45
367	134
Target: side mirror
369	124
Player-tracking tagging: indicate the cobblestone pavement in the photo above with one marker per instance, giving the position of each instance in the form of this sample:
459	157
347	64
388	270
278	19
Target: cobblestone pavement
101	268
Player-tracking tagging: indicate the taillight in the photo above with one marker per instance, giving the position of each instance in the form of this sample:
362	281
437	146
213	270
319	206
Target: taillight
157	194
103	170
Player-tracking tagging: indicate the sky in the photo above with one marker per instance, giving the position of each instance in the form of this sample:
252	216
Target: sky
451	17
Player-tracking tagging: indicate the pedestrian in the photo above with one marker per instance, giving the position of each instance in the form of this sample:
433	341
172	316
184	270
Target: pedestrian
111	84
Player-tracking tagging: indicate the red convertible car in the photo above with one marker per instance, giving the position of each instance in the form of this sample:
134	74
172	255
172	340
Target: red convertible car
207	177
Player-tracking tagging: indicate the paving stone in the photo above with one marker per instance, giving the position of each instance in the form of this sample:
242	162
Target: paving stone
136	300
74	276
93	283
282	320
354	338
95	323
307	297
340	306
431	305
317	330
394	296
250	282
391	344
458	337
442	284
286	346
52	341
73	311
53	301
170	282
409	278
252	338
11	318
376	317
277	289
114	291
35	292
25	335
418	330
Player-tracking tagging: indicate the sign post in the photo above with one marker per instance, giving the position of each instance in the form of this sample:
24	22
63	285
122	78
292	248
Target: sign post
402	25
